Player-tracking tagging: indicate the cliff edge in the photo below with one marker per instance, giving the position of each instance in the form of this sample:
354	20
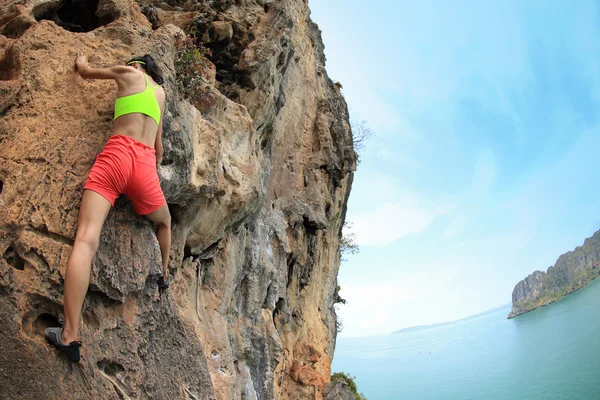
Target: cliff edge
257	175
572	271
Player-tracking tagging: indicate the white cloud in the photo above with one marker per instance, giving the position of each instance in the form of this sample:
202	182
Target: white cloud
370	308
391	221
387	210
371	107
383	306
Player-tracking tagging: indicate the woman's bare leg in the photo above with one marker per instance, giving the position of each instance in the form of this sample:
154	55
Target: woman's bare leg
92	213
162	219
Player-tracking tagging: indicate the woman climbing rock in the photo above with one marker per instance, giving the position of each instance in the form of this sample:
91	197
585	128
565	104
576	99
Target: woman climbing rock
127	165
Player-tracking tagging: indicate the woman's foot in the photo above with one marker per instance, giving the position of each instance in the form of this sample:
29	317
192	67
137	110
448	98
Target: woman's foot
53	336
163	283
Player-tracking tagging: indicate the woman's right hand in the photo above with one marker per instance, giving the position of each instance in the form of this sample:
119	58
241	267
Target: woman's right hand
80	62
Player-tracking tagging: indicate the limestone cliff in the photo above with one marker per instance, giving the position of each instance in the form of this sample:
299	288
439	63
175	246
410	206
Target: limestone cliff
257	177
572	271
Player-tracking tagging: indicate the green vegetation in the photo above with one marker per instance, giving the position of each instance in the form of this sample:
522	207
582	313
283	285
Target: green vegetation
338	298
191	67
347	243
249	357
350	382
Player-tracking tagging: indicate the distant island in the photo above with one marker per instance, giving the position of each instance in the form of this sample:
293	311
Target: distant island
572	271
421	327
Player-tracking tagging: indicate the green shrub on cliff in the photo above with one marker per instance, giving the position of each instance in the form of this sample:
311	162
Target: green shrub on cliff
191	67
350	382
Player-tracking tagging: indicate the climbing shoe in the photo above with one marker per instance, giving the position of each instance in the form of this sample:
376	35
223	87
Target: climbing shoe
162	283
53	336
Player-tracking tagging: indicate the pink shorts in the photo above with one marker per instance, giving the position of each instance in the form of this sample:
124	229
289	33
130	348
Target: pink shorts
129	167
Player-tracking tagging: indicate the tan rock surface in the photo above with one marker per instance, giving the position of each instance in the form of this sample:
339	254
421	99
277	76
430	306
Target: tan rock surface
257	177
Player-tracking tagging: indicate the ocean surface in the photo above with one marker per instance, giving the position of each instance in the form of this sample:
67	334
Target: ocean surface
549	353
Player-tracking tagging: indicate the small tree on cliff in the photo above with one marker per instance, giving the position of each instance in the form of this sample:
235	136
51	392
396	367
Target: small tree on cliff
360	133
348	242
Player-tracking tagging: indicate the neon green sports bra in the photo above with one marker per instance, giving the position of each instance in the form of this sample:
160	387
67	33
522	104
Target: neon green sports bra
144	102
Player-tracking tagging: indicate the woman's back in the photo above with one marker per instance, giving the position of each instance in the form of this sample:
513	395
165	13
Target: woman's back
139	76
138	125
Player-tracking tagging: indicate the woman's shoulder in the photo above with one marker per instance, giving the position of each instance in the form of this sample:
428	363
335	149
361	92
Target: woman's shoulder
160	94
160	90
122	69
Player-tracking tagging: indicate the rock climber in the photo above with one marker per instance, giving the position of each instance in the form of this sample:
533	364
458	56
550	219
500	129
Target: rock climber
127	165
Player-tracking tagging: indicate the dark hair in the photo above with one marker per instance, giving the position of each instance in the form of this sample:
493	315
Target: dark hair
151	68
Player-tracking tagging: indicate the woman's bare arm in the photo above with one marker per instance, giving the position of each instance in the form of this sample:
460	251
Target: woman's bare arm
158	142
87	72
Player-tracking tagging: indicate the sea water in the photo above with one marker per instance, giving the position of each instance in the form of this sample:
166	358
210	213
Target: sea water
549	353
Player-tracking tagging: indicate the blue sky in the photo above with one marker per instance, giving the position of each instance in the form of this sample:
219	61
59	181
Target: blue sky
484	166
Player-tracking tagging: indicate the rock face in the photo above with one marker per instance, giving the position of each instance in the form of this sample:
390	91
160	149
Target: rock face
257	177
572	271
